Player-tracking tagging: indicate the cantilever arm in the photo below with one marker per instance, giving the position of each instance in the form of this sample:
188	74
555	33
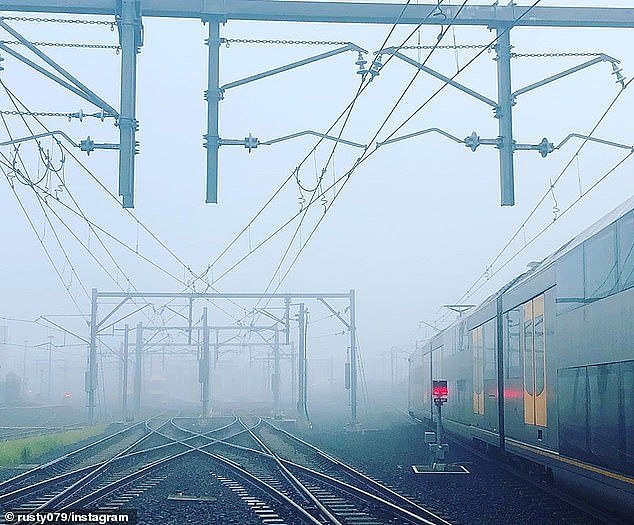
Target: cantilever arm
570	71
40	136
393	51
73	84
314	133
593	139
293	65
86	145
422	132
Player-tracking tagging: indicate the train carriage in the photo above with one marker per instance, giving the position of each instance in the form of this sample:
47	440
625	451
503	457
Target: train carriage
544	368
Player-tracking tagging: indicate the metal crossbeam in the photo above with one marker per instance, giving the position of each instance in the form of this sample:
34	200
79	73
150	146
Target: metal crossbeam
343	12
129	15
217	295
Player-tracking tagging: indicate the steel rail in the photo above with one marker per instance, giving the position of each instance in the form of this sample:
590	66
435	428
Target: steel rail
62	496
51	481
299	487
237	469
409	516
251	478
386	491
583	506
110	487
30	473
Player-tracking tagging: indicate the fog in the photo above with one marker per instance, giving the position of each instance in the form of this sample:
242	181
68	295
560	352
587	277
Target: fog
413	229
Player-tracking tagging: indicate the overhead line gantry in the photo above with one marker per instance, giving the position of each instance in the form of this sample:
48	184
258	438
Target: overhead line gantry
129	15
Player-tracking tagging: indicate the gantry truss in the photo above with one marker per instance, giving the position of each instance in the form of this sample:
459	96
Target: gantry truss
130	13
202	336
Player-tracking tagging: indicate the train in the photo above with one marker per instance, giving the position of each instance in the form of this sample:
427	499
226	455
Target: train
543	369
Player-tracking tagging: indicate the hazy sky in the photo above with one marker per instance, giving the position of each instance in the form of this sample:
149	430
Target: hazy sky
413	228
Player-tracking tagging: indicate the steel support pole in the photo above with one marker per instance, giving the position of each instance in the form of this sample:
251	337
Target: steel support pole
301	365
353	360
124	386
293	371
129	39
287	320
439	436
213	101
24	382
91	385
275	380
504	114
50	367
138	369
204	367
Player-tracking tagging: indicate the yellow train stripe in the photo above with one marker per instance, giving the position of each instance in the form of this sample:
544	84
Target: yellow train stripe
551	454
574	462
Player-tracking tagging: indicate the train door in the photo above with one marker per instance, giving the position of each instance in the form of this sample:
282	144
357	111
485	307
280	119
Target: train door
485	396
478	379
489	336
534	360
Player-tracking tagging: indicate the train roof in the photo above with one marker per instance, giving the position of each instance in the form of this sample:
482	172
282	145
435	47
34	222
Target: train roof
599	225
604	222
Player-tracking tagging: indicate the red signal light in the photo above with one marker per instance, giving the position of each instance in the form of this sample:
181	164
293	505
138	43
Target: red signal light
440	390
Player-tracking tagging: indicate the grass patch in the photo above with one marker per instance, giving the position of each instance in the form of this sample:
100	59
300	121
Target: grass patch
28	450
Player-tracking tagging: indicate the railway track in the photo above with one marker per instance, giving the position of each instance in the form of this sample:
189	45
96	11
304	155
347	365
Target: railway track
9	433
575	511
329	490
276	476
66	482
73	461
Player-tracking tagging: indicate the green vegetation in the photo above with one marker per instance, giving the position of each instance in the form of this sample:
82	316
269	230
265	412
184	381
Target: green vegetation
28	450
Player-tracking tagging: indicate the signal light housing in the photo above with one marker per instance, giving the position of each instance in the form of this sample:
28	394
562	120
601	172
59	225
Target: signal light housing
440	390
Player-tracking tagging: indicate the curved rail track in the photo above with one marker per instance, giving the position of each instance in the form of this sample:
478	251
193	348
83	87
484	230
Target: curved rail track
329	490
281	478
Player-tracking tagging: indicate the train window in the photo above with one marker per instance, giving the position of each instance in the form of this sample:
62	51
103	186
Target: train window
573	403
490	362
533	347
539	358
461	395
603	409
627	395
436	363
527	353
512	344
600	264
596	414
461	337
478	365
570	288
626	250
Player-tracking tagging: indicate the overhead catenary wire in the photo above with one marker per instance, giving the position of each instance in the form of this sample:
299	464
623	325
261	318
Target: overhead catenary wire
280	188
92	225
68	151
41	241
346	177
530	241
15	101
545	195
293	173
313	199
315	192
